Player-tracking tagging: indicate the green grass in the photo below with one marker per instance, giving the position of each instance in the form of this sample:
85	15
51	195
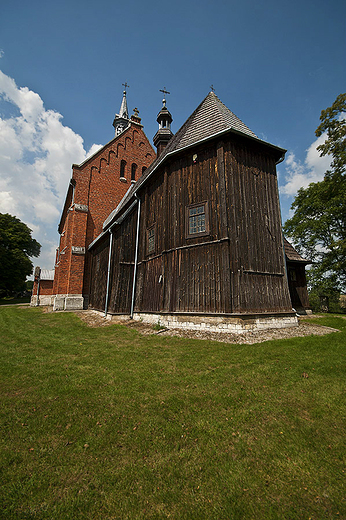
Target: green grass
15	301
107	424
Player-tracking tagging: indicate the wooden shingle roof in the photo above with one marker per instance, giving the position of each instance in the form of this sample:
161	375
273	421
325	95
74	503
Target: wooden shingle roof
293	255
211	118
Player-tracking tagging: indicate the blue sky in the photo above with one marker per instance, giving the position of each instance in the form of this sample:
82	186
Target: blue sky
275	64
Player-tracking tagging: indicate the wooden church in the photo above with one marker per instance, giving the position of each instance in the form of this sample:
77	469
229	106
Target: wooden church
191	238
197	241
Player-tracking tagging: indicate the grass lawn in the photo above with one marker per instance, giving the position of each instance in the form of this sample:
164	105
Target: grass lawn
15	301
103	423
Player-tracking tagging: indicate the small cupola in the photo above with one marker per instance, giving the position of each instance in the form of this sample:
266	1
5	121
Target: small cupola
164	133
121	120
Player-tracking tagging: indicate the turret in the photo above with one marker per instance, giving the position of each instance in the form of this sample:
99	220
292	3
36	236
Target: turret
164	133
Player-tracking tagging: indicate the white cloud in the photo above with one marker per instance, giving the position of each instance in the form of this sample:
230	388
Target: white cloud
36	154
7	202
93	149
300	174
1	53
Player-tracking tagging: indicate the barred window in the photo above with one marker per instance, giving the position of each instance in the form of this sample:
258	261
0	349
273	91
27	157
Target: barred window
197	220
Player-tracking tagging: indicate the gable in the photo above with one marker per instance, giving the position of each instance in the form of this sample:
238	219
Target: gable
121	146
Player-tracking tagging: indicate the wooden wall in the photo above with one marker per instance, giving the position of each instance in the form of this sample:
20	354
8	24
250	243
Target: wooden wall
256	251
121	268
297	285
238	267
99	268
123	255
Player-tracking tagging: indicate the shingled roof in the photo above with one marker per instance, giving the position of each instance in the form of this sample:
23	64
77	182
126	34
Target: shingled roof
292	254
209	119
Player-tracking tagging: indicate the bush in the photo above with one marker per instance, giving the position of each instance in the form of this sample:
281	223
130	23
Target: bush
333	302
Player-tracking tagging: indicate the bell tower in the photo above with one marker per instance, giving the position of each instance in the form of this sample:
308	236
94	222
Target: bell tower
164	133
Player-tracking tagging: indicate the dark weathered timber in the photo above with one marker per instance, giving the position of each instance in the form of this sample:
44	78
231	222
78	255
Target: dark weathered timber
99	266
123	265
297	285
238	267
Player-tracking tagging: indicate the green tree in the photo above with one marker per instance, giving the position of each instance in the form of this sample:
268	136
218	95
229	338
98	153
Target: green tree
318	226
333	122
16	248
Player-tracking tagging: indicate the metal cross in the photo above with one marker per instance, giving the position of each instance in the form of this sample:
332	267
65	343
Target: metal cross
212	88
164	95
125	85
164	91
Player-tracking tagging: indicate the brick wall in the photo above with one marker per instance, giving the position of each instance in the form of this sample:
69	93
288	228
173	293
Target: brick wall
45	292
46	287
96	189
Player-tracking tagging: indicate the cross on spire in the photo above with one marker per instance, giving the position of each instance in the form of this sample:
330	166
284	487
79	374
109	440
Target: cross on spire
126	86
212	88
164	91
164	95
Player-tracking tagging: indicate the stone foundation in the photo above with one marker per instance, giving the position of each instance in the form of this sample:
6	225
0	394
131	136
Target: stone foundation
230	324
43	299
68	302
61	302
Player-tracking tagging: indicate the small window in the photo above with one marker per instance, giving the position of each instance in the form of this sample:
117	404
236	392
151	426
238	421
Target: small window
143	169
151	240
197	220
122	169
133	171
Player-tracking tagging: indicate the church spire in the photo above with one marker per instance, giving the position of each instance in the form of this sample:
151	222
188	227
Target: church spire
121	120
164	118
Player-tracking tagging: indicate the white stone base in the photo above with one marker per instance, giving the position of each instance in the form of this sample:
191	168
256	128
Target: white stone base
74	302
59	302
220	323
68	302
45	299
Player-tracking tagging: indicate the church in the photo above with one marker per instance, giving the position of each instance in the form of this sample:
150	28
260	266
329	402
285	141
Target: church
189	236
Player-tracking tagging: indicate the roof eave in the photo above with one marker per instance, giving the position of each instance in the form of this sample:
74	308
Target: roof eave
296	261
112	223
65	207
281	152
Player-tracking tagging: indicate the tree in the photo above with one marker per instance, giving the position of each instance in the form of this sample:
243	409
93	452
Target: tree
333	122
16	246
318	226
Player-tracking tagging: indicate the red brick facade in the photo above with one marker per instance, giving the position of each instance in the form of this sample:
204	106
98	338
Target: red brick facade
96	188
46	287
42	292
